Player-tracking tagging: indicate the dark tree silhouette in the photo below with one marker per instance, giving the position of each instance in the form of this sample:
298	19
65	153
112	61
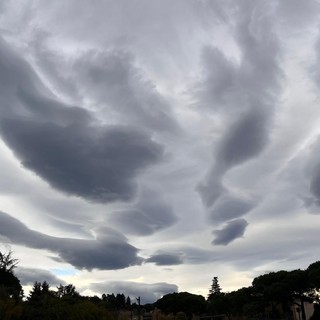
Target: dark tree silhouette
9	283
215	288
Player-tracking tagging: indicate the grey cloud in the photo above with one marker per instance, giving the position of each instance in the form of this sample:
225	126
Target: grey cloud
149	215
108	251
219	80
148	293
298	14
121	88
193	255
15	73
24	95
212	188
61	143
314	70
247	95
245	140
96	164
233	230
311	197
165	259
228	207
28	276
315	185
43	109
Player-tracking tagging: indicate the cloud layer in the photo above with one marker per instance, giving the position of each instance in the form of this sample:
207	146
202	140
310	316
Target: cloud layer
147	140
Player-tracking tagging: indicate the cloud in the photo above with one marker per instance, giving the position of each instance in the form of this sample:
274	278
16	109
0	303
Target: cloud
61	144
96	164
243	102
122	90
112	114
233	230
28	276
151	214
165	259
108	251
229	207
148	293
298	15
245	140
218	83
45	109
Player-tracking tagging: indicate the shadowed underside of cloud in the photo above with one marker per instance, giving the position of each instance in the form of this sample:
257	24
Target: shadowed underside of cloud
165	259
28	276
109	251
97	164
229	207
246	97
148	293
245	140
233	230
62	143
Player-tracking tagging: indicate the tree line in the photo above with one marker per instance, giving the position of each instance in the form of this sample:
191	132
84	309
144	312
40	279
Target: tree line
271	296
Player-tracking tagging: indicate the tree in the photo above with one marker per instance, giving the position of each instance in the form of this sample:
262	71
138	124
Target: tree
313	272
9	283
182	302
128	302
67	291
215	287
7	262
10	288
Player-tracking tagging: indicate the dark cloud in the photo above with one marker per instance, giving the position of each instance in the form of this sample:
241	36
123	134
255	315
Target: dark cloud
233	230
61	143
96	164
28	276
228	207
14	73
46	109
24	95
148	293
108	251
245	98
165	259
245	139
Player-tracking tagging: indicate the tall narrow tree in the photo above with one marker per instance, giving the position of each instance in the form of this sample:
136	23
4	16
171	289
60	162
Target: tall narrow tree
215	288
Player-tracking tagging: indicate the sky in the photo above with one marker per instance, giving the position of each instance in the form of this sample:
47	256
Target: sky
148	146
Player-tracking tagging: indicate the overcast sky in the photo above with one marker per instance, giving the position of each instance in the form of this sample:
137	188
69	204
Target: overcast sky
148	146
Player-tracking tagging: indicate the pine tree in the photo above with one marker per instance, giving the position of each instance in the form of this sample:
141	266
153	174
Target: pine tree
215	288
